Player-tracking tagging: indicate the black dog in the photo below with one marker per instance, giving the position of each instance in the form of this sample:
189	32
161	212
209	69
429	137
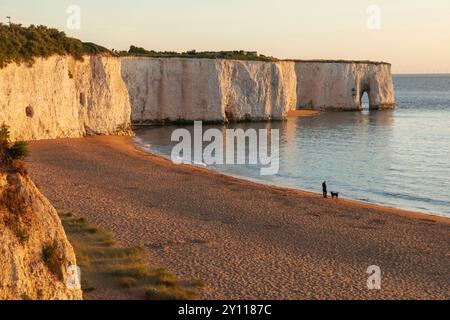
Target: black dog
335	195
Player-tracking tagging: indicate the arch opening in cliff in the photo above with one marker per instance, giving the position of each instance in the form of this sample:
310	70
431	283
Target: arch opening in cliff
340	85
365	100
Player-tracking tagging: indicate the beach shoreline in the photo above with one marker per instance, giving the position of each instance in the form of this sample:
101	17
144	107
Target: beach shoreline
246	240
303	113
301	192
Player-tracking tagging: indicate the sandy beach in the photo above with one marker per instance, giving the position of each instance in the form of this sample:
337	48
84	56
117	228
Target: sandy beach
244	240
303	113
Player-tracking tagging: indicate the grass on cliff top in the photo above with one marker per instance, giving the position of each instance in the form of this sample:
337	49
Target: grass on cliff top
193	54
106	266
23	44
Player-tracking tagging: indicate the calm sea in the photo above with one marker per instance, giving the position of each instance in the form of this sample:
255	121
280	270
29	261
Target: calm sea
397	158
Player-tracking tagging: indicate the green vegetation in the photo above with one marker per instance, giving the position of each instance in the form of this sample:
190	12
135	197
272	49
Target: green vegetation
19	150
16	219
14	222
53	258
23	44
12	151
230	55
124	271
339	61
4	135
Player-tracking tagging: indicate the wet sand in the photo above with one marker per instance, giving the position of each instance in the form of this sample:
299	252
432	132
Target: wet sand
244	240
303	113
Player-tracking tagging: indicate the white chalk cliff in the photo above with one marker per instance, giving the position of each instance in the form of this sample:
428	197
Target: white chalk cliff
173	89
61	97
341	85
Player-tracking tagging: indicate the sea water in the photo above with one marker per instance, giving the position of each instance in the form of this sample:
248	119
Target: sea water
398	158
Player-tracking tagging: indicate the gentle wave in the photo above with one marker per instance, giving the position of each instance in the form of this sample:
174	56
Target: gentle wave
397	158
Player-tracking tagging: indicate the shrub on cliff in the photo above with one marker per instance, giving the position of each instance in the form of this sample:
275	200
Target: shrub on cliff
19	150
16	151
4	136
230	55
23	44
92	48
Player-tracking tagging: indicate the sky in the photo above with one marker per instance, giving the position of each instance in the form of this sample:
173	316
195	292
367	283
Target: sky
413	35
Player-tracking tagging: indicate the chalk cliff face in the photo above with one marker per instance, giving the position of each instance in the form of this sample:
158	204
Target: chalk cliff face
61	97
172	89
257	90
34	250
221	90
209	90
340	85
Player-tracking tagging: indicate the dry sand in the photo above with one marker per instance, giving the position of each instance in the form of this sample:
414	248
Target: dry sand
246	241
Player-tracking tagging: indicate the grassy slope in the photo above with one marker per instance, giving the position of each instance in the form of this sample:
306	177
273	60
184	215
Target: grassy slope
108	267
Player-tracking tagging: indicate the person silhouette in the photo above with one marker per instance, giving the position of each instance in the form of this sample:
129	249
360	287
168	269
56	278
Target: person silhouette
325	189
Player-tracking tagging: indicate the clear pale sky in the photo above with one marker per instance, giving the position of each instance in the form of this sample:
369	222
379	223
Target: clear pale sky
414	34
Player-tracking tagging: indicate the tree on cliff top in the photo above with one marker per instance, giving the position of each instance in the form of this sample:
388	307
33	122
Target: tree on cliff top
23	44
229	55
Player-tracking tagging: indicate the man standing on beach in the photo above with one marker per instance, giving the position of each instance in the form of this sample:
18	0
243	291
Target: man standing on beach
324	188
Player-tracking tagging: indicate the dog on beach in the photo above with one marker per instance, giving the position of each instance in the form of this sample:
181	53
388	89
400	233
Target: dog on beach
335	195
